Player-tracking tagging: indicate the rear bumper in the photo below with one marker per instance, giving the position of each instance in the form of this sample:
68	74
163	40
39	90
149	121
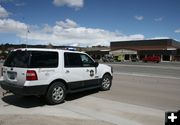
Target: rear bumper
24	90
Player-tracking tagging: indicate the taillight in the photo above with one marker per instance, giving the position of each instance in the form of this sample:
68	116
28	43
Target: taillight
31	75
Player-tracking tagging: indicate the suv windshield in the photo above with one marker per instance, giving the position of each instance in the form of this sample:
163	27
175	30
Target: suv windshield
32	59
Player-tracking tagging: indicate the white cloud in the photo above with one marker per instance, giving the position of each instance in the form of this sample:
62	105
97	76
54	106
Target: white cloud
160	37
46	29
177	31
70	3
3	12
12	26
68	24
66	32
139	18
158	19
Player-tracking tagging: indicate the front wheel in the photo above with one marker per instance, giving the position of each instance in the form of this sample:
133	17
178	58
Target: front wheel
106	82
56	93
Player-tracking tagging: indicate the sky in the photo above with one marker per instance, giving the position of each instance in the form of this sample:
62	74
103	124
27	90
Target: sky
87	22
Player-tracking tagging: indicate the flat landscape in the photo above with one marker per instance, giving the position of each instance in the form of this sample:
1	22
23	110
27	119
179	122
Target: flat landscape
140	95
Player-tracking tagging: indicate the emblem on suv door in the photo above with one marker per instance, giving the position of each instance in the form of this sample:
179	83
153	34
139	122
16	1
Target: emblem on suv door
91	73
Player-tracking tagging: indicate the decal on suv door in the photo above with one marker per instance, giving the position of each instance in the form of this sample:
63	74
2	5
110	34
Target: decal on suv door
91	73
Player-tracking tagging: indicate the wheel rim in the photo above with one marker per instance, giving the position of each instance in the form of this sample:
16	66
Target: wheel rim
58	93
106	83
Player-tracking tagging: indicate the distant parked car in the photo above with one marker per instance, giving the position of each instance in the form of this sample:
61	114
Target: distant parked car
156	59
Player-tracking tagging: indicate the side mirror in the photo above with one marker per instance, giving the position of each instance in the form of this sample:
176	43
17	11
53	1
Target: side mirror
96	64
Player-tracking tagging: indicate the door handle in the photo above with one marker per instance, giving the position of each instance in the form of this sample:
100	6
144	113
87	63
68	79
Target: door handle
87	70
67	71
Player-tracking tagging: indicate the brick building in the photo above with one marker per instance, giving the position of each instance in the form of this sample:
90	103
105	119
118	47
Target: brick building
167	49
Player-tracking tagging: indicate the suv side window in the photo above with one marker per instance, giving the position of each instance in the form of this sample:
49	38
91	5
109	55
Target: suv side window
42	59
72	60
86	61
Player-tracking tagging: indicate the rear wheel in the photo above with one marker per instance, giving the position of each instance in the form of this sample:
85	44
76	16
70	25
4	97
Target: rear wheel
106	82
56	93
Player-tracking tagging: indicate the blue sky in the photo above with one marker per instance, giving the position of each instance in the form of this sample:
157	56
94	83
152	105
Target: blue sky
87	22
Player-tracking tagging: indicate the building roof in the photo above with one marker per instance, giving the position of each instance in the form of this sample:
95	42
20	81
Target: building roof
153	44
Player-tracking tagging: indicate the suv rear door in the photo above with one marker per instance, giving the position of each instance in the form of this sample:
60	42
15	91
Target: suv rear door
15	67
43	63
73	70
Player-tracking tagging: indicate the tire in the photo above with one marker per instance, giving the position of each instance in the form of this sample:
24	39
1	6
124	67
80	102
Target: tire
106	82
56	93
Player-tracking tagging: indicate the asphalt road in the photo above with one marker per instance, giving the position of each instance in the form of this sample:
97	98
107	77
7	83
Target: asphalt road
164	69
140	95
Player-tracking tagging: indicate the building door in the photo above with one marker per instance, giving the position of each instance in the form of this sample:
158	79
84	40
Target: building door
166	57
141	57
126	57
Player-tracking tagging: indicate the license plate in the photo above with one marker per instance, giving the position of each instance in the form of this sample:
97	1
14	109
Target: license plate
12	75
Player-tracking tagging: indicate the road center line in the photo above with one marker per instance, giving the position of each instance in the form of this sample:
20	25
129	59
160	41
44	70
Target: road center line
147	75
145	66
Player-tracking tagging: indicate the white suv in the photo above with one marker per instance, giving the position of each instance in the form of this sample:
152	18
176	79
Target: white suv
53	73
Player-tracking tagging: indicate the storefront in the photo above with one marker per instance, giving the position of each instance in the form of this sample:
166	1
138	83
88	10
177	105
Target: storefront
124	54
166	49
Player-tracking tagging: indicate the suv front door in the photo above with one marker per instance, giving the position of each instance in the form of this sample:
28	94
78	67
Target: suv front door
90	72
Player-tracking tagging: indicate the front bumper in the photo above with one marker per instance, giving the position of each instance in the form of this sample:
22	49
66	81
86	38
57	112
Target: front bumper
24	90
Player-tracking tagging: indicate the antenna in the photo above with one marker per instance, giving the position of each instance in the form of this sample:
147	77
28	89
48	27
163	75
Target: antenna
27	31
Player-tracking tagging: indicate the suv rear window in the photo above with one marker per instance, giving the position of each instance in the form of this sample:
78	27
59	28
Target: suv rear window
32	59
18	59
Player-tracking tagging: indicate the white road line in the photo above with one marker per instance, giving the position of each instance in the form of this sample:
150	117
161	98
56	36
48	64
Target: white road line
112	111
45	110
102	116
162	67
147	75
